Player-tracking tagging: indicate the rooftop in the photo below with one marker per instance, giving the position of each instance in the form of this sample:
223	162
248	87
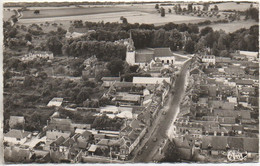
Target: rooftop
17	134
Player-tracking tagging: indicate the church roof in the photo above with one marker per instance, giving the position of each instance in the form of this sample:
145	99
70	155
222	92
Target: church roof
162	52
143	58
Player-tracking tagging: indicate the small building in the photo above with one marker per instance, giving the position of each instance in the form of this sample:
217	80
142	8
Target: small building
18	155
250	55
145	81
16	120
17	136
108	81
56	101
38	54
210	59
59	127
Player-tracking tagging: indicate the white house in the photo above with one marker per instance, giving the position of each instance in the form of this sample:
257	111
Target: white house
38	54
208	59
150	80
251	56
17	136
56	101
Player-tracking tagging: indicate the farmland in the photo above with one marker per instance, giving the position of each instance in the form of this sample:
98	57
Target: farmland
46	13
7	14
233	26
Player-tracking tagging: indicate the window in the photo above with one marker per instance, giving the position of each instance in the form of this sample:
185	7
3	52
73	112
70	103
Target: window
167	61
18	139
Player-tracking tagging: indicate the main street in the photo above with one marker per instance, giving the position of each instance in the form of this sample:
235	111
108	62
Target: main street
159	135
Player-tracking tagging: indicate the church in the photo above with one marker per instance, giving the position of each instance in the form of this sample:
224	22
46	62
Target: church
134	57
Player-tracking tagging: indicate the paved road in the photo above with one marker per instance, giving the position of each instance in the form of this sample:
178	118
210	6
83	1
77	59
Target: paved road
164	120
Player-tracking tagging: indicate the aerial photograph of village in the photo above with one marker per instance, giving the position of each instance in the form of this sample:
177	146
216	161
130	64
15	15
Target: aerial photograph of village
131	82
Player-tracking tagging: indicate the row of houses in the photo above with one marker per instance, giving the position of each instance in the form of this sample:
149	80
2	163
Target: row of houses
215	121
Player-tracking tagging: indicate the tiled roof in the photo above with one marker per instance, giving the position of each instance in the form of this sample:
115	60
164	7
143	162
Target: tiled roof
251	145
162	52
216	142
86	134
143	58
123	84
60	124
150	80
17	133
245	82
232	113
110	79
16	154
58	141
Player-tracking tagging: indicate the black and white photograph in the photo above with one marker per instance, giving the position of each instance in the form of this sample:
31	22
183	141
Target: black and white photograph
125	82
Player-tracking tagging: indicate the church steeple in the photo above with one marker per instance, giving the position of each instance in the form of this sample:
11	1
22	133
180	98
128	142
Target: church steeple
130	46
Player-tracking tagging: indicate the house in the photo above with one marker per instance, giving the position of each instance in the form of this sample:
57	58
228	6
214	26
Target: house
125	99
221	120
145	81
241	82
216	145
17	136
184	147
59	127
250	55
56	101
231	113
209	59
65	150
144	57
18	155
108	81
16	120
234	71
38	54
219	104
84	139
223	60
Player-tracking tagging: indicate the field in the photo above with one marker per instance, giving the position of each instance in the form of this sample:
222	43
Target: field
7	14
233	26
136	13
132	17
46	13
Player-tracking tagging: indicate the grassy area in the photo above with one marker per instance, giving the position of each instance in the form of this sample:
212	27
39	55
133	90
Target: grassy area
45	13
7	14
233	26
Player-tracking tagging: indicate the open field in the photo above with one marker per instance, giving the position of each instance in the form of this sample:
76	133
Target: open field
7	14
233	26
132	17
69	12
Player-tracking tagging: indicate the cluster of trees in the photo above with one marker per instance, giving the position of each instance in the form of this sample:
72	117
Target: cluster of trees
222	43
105	123
252	13
103	50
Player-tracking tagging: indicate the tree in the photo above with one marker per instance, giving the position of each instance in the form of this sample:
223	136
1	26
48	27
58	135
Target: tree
115	67
216	8
84	94
15	19
36	12
123	19
190	46
205	31
54	45
28	37
156	6
162	12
